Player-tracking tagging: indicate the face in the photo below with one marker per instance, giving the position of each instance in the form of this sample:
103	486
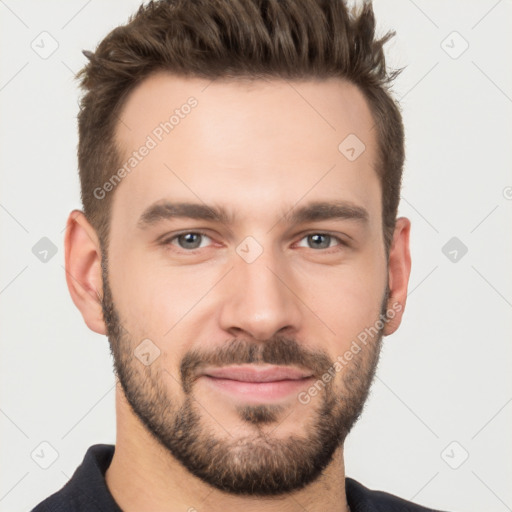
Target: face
246	259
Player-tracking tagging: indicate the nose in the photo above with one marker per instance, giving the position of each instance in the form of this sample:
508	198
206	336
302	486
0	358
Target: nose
260	298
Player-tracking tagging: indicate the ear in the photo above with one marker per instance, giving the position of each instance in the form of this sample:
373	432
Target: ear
399	270
83	270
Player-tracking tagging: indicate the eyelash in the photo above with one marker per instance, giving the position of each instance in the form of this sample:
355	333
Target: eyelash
168	241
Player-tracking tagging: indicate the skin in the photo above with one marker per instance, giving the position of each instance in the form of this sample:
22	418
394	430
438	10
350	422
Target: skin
258	150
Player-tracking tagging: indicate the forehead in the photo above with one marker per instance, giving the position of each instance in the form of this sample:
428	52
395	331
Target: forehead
331	106
248	145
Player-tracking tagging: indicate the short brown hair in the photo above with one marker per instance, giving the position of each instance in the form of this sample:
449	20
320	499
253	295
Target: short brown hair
233	39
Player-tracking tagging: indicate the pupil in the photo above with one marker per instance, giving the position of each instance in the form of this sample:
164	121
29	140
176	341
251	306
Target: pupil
189	239
317	238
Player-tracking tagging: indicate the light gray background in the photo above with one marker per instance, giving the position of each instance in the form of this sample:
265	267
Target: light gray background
443	377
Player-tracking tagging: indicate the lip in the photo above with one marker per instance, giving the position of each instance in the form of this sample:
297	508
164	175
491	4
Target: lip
257	373
257	384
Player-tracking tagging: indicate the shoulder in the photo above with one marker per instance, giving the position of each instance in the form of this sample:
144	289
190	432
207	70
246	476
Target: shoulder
86	490
362	499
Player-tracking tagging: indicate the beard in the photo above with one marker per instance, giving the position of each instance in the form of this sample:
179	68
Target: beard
258	463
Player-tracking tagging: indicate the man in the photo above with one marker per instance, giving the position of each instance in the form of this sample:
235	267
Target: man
240	165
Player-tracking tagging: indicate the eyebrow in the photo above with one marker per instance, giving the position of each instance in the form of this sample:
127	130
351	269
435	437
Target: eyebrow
314	211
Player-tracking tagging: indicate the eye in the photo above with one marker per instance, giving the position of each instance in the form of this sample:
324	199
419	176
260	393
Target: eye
189	240
322	240
192	240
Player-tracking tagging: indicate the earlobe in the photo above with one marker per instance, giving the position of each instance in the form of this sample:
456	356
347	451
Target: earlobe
83	269
399	270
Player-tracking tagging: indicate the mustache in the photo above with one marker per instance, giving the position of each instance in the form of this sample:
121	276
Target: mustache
279	350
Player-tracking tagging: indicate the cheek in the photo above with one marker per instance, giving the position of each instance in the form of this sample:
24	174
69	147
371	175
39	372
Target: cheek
152	296
347	298
346	305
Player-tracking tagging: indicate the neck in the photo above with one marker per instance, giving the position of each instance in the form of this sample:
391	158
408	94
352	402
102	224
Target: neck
143	476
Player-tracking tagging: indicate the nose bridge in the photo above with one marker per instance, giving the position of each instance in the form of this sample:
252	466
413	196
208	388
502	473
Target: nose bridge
258	299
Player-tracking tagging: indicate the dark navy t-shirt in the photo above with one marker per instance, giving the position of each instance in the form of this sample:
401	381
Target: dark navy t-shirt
87	491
